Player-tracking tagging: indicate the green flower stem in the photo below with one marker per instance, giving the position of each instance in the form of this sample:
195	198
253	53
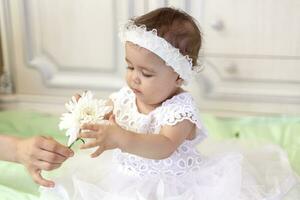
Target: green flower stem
76	141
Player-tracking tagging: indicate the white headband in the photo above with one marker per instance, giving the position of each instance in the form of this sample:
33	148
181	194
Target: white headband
139	35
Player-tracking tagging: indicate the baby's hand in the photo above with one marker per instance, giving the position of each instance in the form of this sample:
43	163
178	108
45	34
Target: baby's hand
105	136
77	96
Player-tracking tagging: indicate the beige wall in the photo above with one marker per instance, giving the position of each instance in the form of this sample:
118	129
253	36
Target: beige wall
1	57
251	52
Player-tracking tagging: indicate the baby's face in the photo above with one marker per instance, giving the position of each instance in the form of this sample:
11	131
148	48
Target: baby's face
149	77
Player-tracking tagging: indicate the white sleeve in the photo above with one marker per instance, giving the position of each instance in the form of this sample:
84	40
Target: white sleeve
177	112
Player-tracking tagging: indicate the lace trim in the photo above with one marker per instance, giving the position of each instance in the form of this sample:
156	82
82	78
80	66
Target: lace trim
183	65
175	165
184	160
171	112
172	120
179	108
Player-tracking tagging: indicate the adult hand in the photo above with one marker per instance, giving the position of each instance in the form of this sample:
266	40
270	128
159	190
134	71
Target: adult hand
41	153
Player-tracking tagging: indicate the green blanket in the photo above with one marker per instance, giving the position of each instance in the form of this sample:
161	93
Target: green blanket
15	183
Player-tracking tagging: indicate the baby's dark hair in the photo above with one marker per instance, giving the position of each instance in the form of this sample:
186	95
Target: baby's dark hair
175	26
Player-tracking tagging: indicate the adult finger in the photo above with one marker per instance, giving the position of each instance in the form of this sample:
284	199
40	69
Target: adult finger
37	177
98	151
50	157
55	147
47	166
48	137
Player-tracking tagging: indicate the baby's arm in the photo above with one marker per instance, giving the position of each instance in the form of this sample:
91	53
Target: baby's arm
153	146
157	146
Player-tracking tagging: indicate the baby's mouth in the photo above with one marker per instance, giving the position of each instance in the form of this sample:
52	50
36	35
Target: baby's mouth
136	91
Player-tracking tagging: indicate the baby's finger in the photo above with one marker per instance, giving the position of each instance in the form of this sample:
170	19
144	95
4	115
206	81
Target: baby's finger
89	145
36	176
77	96
91	127
89	135
98	151
112	119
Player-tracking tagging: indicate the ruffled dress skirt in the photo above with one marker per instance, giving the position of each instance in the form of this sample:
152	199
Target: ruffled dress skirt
231	171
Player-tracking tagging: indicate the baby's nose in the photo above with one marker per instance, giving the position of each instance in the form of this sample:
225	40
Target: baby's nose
136	77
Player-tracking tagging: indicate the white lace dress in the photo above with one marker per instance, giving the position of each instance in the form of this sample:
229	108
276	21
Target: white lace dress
185	175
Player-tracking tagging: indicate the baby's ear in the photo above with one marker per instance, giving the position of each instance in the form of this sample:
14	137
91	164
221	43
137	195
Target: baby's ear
179	82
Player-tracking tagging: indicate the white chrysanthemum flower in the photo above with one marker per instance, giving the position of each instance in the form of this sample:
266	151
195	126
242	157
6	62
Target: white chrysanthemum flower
85	110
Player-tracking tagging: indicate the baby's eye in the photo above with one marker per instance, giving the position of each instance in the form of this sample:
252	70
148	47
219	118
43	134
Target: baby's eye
130	68
147	75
